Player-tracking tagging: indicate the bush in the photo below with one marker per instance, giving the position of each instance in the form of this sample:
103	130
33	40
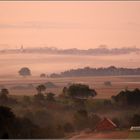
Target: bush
43	75
50	85
93	120
27	100
107	83
81	119
39	98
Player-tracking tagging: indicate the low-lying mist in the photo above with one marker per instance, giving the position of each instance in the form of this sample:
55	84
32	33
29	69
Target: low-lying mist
38	63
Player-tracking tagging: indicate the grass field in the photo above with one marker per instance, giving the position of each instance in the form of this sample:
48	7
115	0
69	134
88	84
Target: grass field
134	135
97	82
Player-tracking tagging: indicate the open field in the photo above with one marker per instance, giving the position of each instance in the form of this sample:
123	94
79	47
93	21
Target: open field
118	83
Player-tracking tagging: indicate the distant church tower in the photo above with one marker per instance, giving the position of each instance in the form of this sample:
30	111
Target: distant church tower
21	48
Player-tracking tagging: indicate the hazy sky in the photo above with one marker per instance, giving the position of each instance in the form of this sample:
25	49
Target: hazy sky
70	24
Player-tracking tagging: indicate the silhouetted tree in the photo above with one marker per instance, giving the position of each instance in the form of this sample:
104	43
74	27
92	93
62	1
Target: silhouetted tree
80	91
7	119
41	88
128	97
50	96
4	91
4	99
4	95
64	92
24	71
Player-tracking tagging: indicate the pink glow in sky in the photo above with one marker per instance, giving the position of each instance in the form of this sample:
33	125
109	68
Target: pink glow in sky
70	24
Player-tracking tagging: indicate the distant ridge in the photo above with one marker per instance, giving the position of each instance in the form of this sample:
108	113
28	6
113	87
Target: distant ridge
87	71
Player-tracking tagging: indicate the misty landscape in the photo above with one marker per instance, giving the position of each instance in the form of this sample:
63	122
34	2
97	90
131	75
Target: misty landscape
53	62
69	70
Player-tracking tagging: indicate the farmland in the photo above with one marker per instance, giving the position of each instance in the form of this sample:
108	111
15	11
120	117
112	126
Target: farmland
118	83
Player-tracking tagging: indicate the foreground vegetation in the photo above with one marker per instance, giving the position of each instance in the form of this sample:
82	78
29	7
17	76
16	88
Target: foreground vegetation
45	115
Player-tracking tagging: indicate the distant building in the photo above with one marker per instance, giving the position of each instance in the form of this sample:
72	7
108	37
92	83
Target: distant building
135	128
21	48
105	125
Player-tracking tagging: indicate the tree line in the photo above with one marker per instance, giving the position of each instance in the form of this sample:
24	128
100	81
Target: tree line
88	71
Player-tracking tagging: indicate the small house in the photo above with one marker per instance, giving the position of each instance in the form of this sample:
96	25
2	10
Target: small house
105	125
